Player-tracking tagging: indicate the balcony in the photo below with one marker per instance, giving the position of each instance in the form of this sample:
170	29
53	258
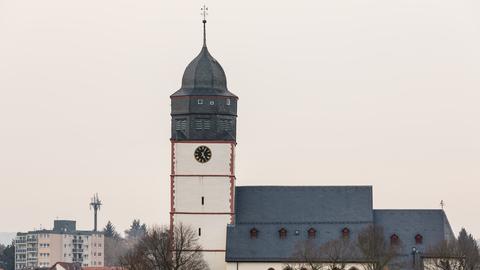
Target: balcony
77	250
32	249
77	241
80	259
32	240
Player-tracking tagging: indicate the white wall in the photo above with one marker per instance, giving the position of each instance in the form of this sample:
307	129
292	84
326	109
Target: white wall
184	161
191	181
188	193
214	228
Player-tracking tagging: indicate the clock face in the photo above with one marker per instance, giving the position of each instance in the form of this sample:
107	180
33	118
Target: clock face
203	154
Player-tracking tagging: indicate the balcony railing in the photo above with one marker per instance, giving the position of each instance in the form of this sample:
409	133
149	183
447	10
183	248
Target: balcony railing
77	241
77	250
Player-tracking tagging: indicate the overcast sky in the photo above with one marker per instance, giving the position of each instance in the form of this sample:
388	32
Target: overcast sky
371	92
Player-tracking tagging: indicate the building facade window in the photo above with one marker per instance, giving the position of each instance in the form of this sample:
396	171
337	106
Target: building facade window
227	102
312	233
199	231
203	200
345	232
282	233
200	101
212	102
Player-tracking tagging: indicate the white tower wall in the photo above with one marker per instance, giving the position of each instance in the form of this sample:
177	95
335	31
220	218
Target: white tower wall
202	195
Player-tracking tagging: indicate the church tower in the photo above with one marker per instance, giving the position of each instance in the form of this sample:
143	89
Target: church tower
203	144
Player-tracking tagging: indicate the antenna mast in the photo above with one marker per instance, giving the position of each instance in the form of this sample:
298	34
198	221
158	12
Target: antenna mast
95	204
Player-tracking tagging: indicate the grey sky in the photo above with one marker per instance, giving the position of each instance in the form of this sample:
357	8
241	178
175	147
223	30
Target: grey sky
377	92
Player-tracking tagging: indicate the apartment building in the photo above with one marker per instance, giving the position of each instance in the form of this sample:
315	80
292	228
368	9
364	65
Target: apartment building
64	243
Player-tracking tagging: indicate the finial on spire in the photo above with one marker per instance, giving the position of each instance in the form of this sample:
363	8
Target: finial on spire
204	13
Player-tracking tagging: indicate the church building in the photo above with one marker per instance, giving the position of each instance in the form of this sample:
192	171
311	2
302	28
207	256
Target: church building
258	227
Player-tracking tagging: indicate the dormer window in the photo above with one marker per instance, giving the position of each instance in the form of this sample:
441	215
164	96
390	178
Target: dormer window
418	239
227	102
253	233
200	101
282	233
345	232
394	239
312	233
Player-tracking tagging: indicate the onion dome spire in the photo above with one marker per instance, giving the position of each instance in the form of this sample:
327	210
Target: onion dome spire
204	75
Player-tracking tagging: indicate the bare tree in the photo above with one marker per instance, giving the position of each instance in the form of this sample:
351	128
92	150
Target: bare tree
333	255
164	249
444	256
374	249
115	248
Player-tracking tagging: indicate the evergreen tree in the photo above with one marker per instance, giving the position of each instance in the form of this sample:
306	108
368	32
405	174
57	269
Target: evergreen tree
7	257
137	230
110	231
468	247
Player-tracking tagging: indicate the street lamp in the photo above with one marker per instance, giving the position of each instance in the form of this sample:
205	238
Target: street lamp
414	254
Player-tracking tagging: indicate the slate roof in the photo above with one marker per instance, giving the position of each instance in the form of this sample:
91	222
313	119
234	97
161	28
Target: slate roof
204	76
327	209
303	204
431	224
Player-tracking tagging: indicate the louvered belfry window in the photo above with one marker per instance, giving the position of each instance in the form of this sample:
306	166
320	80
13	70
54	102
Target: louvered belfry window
225	125
202	124
181	124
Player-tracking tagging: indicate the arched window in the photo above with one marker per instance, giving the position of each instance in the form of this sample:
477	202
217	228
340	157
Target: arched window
312	233
345	232
282	233
271	268
253	233
394	239
418	239
353	268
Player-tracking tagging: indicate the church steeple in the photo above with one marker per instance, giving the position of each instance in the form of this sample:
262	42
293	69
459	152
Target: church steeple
203	108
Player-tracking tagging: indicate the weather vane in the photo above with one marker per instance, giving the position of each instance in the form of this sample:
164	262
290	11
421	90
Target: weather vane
204	13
